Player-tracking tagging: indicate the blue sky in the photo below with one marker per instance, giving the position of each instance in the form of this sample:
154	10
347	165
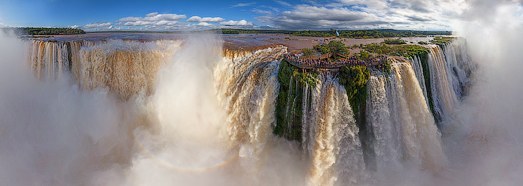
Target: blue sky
178	14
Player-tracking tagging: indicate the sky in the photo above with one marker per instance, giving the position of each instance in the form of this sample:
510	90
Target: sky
93	15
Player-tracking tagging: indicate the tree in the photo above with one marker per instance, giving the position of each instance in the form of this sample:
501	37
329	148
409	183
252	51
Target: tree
307	52
323	49
338	49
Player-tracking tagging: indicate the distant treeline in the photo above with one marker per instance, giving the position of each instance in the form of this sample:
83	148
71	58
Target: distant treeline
252	31
381	33
371	33
46	31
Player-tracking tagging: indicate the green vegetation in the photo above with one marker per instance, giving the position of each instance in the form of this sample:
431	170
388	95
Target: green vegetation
408	51
441	40
355	78
253	31
380	33
363	55
323	49
307	52
310	33
370	33
338	49
290	98
397	41
50	31
386	67
423	43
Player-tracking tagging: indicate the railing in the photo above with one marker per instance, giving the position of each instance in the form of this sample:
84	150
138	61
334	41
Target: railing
324	64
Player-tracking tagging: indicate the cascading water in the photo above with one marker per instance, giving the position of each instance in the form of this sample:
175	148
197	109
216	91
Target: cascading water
387	139
404	131
418	69
421	143
459	64
210	116
443	93
336	154
127	68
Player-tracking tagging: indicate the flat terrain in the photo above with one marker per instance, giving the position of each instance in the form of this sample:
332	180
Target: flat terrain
233	41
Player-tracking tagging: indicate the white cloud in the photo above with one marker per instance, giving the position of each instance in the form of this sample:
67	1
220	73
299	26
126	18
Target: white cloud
74	26
98	25
152	19
204	24
204	19
236	23
244	4
363	14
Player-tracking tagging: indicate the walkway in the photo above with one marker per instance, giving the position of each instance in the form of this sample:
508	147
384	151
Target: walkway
323	64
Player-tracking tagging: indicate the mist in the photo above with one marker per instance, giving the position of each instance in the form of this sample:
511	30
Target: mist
54	133
51	132
484	141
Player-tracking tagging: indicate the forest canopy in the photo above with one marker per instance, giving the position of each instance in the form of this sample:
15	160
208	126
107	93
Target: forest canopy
47	31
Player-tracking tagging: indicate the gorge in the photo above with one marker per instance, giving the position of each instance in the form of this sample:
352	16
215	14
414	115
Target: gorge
192	109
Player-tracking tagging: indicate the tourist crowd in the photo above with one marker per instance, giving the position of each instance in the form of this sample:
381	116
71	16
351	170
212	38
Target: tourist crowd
318	62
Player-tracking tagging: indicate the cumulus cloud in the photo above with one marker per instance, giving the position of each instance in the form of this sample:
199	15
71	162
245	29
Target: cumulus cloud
236	23
359	14
204	24
98	25
307	16
204	19
152	19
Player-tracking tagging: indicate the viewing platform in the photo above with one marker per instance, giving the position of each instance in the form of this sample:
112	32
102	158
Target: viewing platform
323	63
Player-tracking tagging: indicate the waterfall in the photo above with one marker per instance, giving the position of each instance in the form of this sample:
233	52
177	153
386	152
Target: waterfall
49	59
305	118
460	65
386	139
442	84
248	88
127	68
420	139
336	157
404	131
418	69
245	85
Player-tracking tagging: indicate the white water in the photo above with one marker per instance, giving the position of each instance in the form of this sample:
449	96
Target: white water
420	137
459	63
405	136
442	84
127	68
418	69
337	157
208	121
386	140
